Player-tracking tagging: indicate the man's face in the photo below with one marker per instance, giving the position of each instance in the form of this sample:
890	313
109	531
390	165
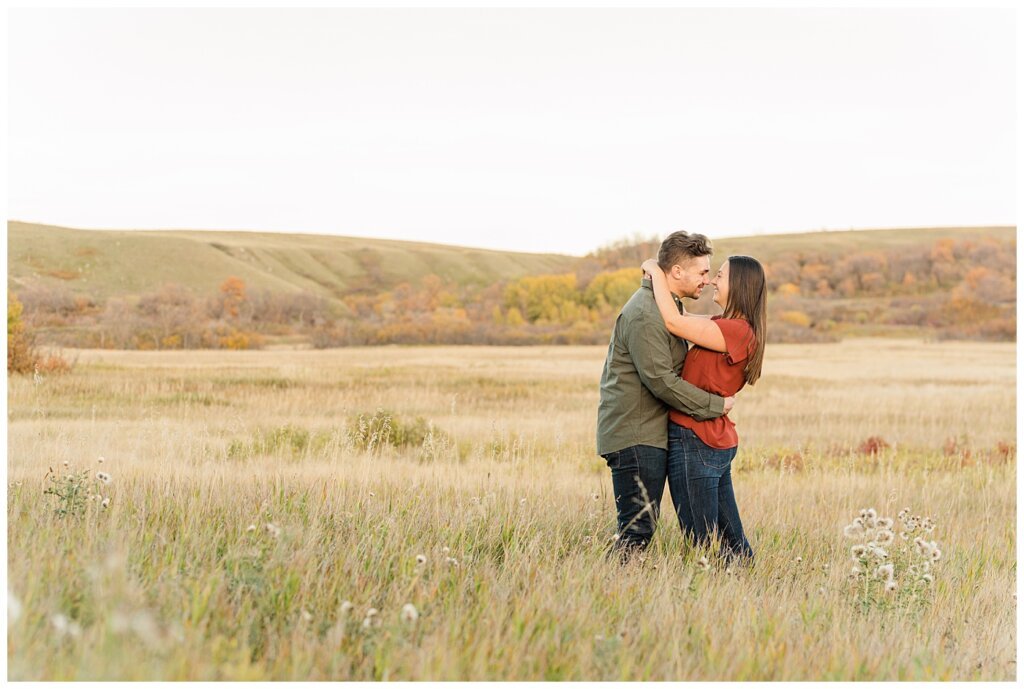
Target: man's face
691	276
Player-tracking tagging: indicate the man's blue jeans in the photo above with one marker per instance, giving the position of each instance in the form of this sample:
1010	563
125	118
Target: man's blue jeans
638	480
700	481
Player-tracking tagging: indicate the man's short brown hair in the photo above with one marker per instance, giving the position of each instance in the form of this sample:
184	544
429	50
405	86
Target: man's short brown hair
682	246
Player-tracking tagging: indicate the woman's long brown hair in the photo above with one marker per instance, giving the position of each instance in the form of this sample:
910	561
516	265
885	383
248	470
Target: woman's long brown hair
748	299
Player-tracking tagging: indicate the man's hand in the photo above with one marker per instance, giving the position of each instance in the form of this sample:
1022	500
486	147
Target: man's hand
729	402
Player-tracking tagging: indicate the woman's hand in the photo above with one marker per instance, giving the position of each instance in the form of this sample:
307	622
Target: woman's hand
649	266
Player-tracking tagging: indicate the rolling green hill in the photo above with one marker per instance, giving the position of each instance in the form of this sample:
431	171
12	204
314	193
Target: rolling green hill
769	248
105	263
110	288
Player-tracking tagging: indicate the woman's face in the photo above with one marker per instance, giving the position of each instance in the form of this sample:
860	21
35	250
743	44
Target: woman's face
721	284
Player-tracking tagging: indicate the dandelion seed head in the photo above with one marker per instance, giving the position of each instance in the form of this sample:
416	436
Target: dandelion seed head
273	529
854	530
884	523
858	551
884	537
798	560
372	612
927	578
936	555
103	477
885	571
106	503
421	559
702	563
409	613
101	459
345	608
890	586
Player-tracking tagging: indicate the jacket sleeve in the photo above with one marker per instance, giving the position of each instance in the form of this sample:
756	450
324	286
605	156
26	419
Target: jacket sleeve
648	345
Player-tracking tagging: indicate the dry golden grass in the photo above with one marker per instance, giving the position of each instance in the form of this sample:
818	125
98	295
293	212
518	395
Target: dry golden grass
168	582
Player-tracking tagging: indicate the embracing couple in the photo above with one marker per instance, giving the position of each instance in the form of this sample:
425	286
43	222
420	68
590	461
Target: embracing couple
669	382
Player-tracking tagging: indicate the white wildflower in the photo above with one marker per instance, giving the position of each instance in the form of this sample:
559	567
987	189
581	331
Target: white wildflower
106	503
409	613
13	608
372	619
421	559
927	578
345	608
64	626
884	537
890	586
885	571
101	459
273	529
858	551
703	563
884	523
102	477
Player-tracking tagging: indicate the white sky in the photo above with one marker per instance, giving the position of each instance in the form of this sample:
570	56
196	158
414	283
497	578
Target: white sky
535	130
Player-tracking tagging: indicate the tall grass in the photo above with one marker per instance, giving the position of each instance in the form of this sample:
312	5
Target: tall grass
262	561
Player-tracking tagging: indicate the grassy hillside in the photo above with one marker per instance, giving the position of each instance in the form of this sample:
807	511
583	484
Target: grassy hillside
769	248
90	288
104	263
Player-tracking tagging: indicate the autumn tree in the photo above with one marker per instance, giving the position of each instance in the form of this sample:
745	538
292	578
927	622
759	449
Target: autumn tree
232	296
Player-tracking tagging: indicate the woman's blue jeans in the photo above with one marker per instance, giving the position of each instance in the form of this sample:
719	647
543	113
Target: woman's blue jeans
700	481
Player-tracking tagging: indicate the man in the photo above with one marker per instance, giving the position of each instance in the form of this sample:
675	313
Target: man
641	382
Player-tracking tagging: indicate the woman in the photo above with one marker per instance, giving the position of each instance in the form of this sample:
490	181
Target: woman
727	354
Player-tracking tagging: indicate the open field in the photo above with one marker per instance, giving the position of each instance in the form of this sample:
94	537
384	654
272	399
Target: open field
499	489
